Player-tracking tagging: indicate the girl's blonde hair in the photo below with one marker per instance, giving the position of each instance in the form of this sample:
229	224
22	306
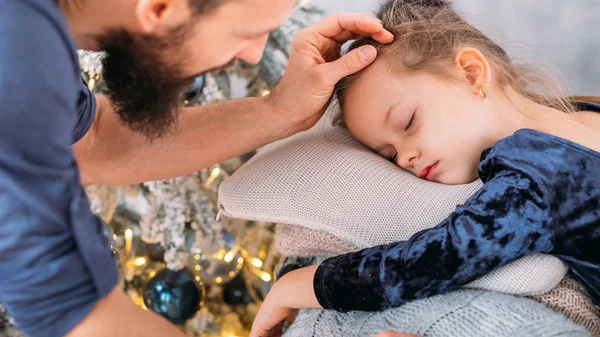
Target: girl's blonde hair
429	33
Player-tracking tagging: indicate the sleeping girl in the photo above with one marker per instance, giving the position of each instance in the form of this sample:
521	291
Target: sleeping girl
446	103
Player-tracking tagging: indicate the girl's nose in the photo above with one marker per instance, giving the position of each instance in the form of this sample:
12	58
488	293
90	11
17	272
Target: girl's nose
406	159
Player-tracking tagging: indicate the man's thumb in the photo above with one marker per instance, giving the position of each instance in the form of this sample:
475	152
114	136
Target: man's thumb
352	62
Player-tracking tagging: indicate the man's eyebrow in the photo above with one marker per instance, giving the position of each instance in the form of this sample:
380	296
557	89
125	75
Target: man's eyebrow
258	32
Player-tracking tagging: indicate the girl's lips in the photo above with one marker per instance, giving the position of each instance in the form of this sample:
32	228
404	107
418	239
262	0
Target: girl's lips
429	171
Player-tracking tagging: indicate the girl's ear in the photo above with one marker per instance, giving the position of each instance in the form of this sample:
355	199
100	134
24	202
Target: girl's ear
475	68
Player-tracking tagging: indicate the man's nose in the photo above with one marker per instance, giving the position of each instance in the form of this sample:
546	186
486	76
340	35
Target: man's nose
253	52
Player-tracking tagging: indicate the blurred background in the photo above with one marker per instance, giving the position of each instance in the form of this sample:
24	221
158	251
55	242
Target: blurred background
562	34
227	267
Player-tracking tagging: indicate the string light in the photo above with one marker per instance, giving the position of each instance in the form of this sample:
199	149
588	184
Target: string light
128	241
228	333
266	93
257	263
266	276
213	175
229	256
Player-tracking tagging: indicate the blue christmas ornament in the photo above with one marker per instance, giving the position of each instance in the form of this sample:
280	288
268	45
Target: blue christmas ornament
216	260
236	292
174	295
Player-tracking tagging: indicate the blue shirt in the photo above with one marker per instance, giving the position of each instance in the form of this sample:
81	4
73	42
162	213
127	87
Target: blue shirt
55	262
541	194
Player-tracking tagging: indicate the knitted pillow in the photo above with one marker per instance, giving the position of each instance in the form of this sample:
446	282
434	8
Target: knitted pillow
326	181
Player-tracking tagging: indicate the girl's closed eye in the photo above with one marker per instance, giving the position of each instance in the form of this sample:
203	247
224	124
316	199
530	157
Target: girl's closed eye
411	122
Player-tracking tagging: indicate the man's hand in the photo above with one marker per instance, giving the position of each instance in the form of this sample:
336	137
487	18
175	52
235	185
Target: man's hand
112	154
315	65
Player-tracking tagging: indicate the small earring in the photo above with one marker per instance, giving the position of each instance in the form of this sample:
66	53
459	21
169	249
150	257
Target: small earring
481	93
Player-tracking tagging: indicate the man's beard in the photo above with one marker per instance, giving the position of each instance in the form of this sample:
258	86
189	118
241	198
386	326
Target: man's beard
146	90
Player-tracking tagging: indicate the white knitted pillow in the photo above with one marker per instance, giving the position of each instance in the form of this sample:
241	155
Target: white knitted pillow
326	181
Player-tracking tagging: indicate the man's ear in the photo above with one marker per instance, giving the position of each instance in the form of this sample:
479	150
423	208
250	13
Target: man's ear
475	68
151	14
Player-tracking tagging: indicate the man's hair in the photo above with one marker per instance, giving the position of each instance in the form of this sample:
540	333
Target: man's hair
201	7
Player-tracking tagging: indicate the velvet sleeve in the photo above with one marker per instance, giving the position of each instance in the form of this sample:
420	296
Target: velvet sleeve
508	218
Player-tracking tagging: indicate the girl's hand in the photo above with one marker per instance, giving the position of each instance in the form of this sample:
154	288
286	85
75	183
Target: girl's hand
270	319
292	292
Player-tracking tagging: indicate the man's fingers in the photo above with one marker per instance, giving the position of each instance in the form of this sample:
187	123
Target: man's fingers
383	36
365	25
346	36
348	64
332	25
337	24
352	35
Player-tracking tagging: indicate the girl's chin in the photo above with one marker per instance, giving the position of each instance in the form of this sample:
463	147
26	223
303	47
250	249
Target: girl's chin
454	180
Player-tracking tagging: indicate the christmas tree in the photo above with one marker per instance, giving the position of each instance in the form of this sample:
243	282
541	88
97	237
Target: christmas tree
205	274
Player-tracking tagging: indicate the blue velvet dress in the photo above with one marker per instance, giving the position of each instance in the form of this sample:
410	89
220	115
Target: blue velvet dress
541	194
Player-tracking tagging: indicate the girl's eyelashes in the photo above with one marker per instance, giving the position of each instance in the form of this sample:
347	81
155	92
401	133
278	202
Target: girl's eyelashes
393	158
410	123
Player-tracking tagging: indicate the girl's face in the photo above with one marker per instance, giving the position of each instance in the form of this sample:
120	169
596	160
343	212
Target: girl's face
429	126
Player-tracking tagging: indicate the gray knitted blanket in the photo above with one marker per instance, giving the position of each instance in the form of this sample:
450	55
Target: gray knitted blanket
461	313
466	312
